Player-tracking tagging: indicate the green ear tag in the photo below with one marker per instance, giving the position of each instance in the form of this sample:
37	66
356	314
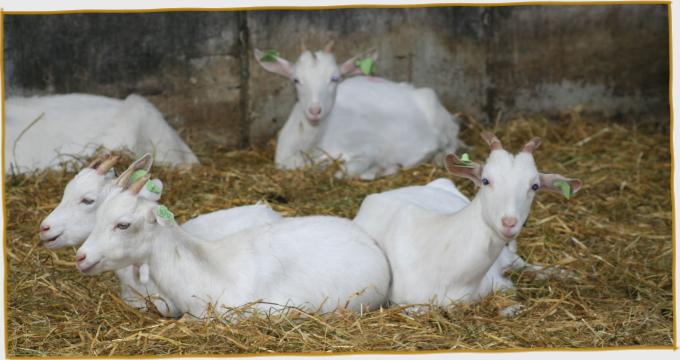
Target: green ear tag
366	66
163	212
152	187
137	175
269	55
564	186
465	160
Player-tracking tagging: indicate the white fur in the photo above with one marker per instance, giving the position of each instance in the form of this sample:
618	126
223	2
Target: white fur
374	125
72	221
314	262
441	196
209	227
77	124
457	252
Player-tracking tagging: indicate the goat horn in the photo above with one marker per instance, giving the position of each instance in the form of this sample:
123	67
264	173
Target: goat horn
143	163
98	160
122	179
329	46
107	164
303	47
532	145
137	186
492	140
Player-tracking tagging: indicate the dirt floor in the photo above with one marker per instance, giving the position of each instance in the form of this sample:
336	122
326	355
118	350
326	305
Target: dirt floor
615	235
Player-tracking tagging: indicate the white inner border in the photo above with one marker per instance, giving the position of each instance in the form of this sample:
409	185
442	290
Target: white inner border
47	5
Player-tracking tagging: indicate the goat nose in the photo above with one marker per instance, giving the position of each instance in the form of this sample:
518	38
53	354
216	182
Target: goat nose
315	110
80	258
44	227
509	221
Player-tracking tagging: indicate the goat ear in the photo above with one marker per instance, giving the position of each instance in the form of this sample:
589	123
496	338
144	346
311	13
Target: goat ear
143	163
160	215
559	184
349	67
468	169
279	65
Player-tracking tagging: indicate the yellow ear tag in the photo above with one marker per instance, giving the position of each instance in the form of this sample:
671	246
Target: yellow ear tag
366	66
564	186
269	55
138	174
465	161
164	213
152	187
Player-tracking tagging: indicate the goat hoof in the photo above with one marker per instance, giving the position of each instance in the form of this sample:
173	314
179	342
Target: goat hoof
510	311
416	310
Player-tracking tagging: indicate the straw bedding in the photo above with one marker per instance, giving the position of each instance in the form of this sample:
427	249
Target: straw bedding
614	235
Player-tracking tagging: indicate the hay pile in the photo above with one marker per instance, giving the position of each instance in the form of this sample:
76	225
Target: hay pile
615	235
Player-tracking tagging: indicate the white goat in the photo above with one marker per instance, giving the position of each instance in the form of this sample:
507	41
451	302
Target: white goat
438	256
374	125
44	131
318	262
72	221
442	197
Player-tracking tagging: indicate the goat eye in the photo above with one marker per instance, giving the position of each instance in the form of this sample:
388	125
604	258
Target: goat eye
296	81
122	226
534	187
485	181
335	78
87	201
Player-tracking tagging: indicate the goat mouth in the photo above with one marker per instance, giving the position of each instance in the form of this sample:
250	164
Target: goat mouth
314	119
87	269
509	233
50	242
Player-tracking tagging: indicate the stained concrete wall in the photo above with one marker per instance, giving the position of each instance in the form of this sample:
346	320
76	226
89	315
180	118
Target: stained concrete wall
197	67
187	64
609	59
442	48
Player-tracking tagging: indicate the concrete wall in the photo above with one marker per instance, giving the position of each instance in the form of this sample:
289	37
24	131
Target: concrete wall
187	64
197	67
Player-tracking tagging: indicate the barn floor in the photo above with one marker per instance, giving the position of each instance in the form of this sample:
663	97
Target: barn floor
615	235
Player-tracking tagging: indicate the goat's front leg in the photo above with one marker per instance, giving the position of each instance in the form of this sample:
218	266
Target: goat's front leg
509	259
